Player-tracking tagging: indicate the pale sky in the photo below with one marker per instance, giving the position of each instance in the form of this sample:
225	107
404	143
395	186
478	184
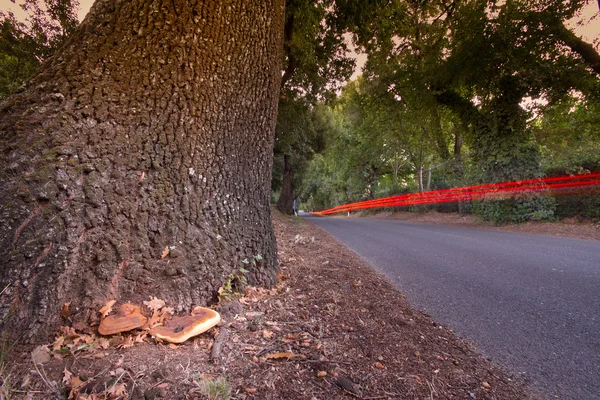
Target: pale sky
6	5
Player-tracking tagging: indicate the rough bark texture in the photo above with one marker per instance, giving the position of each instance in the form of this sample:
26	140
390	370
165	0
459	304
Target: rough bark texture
152	128
285	203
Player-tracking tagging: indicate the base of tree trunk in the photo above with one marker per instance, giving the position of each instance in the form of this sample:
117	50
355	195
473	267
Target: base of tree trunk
138	162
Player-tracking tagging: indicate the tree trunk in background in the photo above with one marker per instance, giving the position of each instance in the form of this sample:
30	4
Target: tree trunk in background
458	168
285	203
458	143
152	128
428	180
420	177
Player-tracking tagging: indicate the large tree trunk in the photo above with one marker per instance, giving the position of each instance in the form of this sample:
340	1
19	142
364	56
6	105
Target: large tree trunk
285	203
153	128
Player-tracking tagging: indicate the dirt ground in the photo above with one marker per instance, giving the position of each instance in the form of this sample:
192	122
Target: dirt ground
332	328
571	227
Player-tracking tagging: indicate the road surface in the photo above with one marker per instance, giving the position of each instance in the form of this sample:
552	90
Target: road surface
531	303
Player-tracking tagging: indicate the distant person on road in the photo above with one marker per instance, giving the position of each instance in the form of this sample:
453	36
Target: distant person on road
295	208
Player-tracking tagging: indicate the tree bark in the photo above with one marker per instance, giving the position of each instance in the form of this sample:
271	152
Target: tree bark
395	168
420	177
458	143
428	179
285	203
151	129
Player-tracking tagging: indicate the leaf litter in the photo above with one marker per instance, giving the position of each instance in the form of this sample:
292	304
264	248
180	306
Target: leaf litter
331	328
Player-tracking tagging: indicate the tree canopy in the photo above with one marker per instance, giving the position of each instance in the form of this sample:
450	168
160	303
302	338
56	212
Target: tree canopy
469	70
25	45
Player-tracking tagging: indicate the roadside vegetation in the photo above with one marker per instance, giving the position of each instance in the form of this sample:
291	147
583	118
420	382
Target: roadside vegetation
462	93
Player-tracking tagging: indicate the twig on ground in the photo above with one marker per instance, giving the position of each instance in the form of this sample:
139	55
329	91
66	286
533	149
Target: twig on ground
215	354
42	374
267	348
326	361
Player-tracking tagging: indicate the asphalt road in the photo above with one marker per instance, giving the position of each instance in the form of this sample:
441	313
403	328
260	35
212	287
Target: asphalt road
531	303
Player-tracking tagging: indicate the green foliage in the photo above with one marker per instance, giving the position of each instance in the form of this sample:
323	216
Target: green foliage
300	133
316	61
236	282
533	206
233	285
378	145
569	134
215	389
480	60
25	45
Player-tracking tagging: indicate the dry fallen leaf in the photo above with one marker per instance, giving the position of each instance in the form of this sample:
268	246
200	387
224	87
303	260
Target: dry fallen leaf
76	383
67	377
164	253
266	334
26	382
280	355
94	355
157	318
117	390
250	390
139	338
126	342
155	304
281	276
107	308
65	313
290	337
103	343
68	331
40	354
58	343
242	300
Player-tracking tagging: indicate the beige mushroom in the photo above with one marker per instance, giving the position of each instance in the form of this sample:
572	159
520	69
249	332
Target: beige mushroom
180	329
127	318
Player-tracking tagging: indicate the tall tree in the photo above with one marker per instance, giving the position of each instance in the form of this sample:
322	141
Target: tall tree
138	161
481	60
300	133
315	65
